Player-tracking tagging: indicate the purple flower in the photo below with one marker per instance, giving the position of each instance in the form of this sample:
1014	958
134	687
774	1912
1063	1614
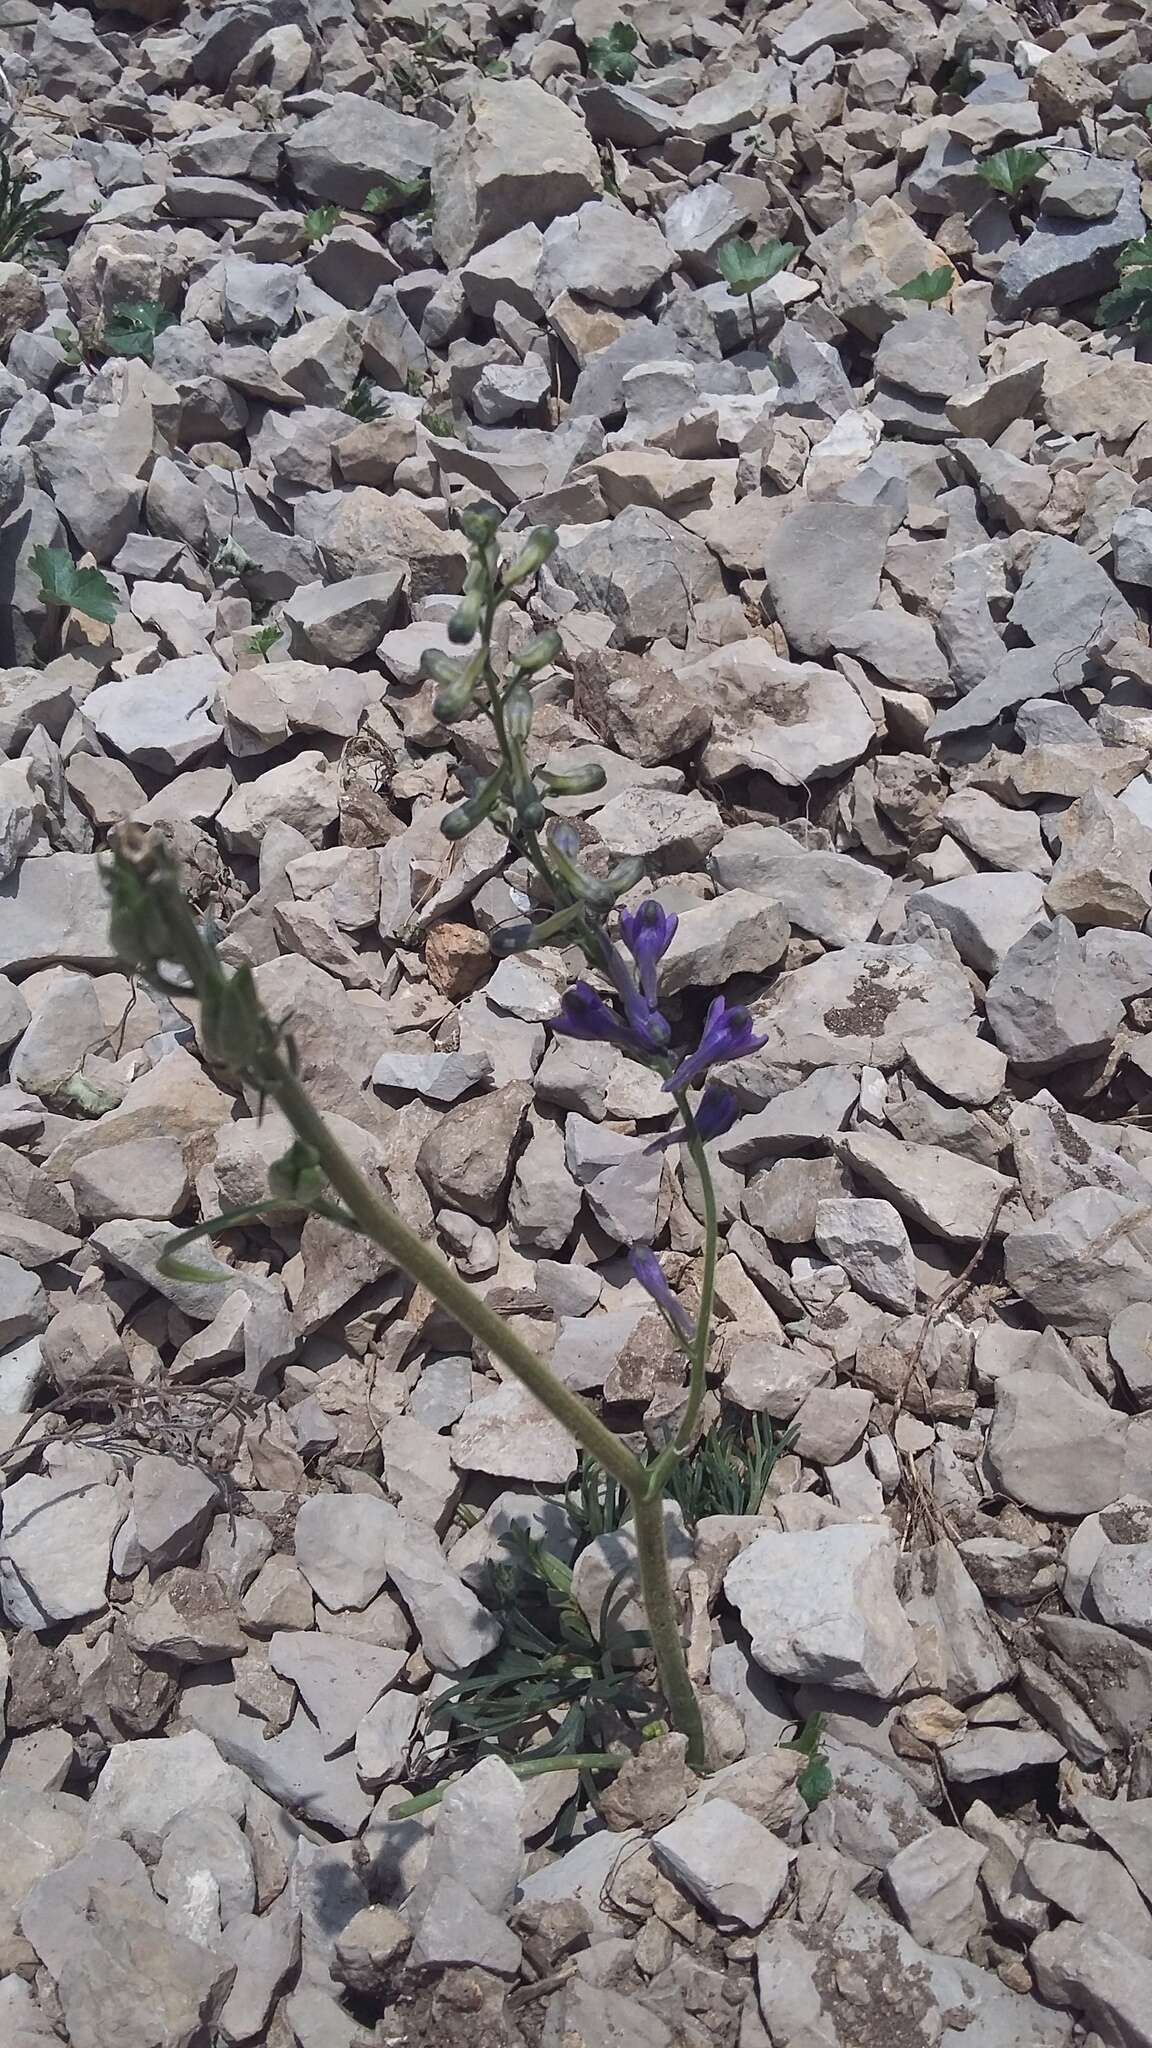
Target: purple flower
584	1014
646	1269
648	933
715	1113
727	1035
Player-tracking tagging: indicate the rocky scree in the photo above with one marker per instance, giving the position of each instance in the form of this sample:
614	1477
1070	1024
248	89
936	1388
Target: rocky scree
852	590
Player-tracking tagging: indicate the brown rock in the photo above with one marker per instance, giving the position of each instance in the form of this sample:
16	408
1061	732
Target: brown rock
457	959
467	1159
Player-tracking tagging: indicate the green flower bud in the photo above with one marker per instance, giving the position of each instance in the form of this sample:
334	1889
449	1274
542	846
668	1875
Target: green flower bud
540	544
464	622
466	816
438	667
539	653
529	808
573	781
518	712
481	524
510	938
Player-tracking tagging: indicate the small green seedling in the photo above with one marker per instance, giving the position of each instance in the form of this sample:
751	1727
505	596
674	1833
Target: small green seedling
439	423
1129	304
69	342
364	402
929	285
815	1780
1010	170
21	220
745	268
68	588
400	195
264	638
319	222
131	328
612	57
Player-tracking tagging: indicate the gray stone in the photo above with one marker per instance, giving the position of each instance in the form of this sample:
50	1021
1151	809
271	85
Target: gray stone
934	1885
996	1753
1102	875
1096	1973
466	1160
821	1605
1091	1887
829	894
357	143
870	1241
644	570
1132	546
510	1436
54	910
858	1005
293	1766
604	253
795	1120
24	1308
144	1786
513	155
985	914
1067	259
478	1837
161	720
56	1547
1046	1006
730	1865
739	933
794	722
173	1506
1086	1257
953	1197
455	1931
824	564
337	1678
438	1076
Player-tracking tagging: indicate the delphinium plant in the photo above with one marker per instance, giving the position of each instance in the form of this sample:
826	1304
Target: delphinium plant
617	1002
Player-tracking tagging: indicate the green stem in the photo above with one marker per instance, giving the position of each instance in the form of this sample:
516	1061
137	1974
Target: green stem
663	1625
424	1264
698	1345
528	1767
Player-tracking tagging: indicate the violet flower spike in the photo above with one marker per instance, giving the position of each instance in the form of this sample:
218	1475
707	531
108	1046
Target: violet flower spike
713	1115
727	1035
585	1014
648	933
646	1269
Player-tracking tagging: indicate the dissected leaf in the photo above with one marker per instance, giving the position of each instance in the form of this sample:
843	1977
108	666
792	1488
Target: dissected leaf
319	222
1009	170
929	285
392	195
745	268
1129	304
611	56
73	589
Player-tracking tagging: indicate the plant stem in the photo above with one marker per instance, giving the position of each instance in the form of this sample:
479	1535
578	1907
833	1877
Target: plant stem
424	1264
755	322
663	1626
698	1346
521	1767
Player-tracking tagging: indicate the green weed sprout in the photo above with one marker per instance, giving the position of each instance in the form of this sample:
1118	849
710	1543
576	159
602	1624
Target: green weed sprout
745	268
